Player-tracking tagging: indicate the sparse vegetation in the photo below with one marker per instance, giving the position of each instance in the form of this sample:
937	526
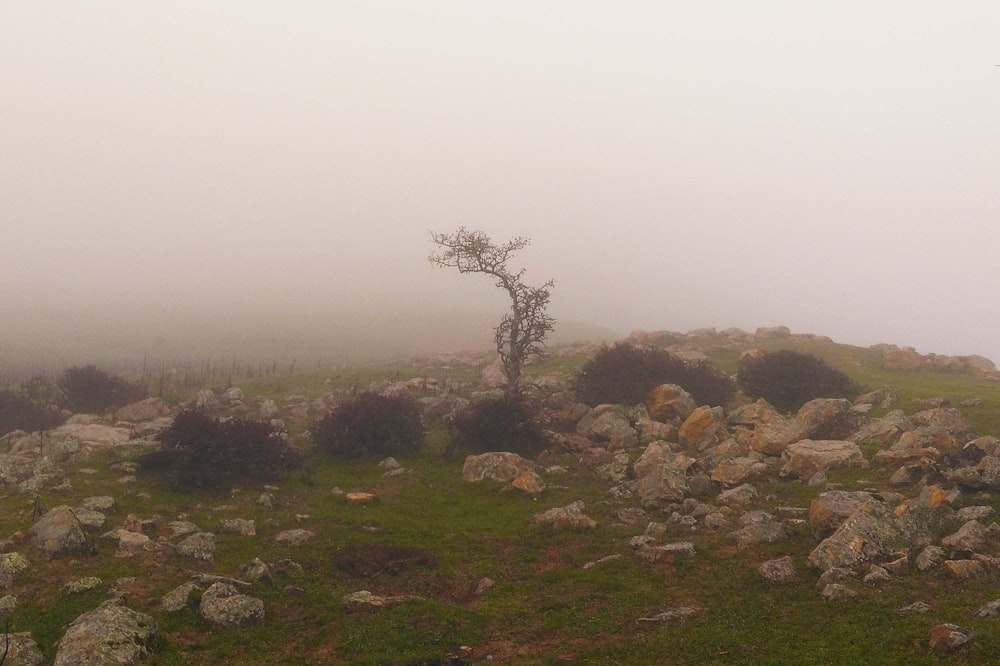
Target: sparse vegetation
203	452
33	405
523	330
788	379
506	423
90	390
369	425
624	374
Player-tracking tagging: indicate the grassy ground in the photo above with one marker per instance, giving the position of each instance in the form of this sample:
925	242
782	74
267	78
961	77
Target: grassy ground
545	607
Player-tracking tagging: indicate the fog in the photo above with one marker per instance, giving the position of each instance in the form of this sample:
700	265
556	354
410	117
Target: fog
191	170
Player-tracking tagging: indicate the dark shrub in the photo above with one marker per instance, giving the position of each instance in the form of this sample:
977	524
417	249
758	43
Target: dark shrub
507	423
624	374
370	425
789	379
203	452
90	389
31	406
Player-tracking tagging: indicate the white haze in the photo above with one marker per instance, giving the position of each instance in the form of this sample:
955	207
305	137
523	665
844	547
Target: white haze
833	167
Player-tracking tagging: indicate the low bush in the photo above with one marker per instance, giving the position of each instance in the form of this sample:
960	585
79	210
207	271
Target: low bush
203	452
92	390
369	425
624	374
31	406
507	423
789	379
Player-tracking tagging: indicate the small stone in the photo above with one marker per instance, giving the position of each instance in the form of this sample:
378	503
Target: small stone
838	592
915	607
780	570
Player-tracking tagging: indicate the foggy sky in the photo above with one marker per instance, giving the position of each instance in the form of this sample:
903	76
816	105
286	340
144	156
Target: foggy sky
833	167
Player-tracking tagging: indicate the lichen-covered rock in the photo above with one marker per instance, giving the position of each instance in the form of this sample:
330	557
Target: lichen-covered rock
703	428
180	597
200	546
59	532
110	635
529	483
822	415
947	638
803	459
239	526
828	511
497	466
22	650
143	410
661	475
294	537
780	570
222	604
570	516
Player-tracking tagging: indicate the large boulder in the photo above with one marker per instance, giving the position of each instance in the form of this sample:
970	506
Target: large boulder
497	466
661	475
826	418
944	417
608	423
669	403
805	458
773	435
703	428
110	635
59	532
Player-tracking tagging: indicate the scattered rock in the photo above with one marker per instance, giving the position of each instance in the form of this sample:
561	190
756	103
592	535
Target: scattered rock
780	570
223	605
294	537
947	638
570	516
110	635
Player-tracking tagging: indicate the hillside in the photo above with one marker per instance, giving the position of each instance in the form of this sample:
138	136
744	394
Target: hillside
648	534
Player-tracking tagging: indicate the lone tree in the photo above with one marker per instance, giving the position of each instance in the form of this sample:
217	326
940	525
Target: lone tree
523	330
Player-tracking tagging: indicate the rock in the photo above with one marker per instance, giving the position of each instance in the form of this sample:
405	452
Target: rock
877	432
570	516
366	598
223	605
294	537
972	537
703	428
772	437
200	546
983	476
268	410
915	607
828	511
651	553
205	400
827	418
676	615
874	532
838	592
739	470
498	467
669	403
930	557
609	424
876	575
916	446
92	435
23	651
59	532
780	570
947	638
661	475
740	497
144	410
805	458
238	526
971	569
948	418
529	483
233	395
758	533
180	597
110	635
179	528
102	503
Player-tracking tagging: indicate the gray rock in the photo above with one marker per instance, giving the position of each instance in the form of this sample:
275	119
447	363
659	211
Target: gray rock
661	476
110	635
570	516
238	526
780	570
59	532
740	496
498	467
759	533
23	651
180	597
930	557
81	585
805	458
838	592
830	509
915	607
223	605
294	537
8	606
200	546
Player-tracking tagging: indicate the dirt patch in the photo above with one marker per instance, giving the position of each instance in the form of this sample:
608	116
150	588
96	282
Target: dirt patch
378	559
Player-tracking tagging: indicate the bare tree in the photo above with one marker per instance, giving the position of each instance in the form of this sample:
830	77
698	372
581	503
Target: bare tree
523	330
